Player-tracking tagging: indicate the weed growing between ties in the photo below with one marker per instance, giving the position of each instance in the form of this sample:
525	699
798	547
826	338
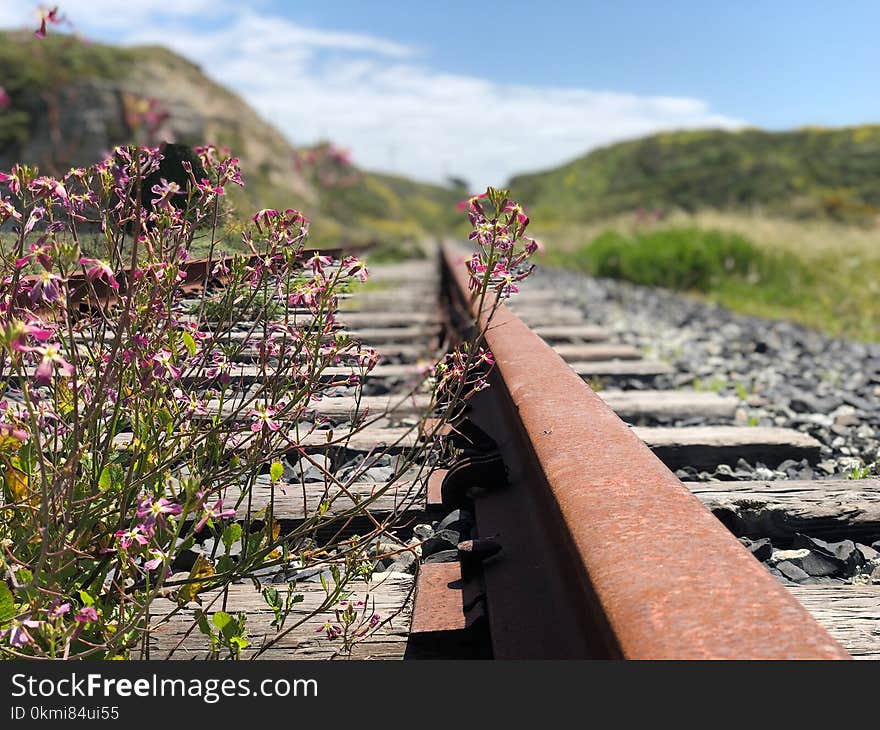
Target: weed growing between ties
127	436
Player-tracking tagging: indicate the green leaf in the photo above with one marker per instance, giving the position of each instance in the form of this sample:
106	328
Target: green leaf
7	605
111	477
225	563
189	343
276	471
86	598
105	481
230	628
23	576
231	535
164	417
222	619
254	540
272	597
15	482
204	626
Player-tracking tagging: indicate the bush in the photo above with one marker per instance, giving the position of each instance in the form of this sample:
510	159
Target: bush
688	259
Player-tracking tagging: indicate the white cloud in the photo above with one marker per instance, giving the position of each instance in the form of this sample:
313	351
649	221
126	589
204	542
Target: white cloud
373	96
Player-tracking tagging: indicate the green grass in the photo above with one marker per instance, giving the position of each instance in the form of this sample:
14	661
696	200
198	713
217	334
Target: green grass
825	288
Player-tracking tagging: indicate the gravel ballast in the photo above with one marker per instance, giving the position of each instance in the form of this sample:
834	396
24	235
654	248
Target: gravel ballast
783	374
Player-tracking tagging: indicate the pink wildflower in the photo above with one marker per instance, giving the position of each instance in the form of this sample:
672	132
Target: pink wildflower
318	263
47	17
155	510
46	290
51	360
18	333
164	191
18	634
87	614
7	211
263	416
13	180
45	187
331	630
264	217
230	172
159	557
37	214
367	359
356	267
486	356
39	251
220	368
7	430
98	270
60	610
135	536
214	512
163	365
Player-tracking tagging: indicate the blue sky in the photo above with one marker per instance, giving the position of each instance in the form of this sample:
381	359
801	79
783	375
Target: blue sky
483	90
778	64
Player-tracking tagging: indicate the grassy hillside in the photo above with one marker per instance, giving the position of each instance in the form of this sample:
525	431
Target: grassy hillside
72	101
806	173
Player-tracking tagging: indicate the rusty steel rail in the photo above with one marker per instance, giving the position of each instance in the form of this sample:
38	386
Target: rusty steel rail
605	552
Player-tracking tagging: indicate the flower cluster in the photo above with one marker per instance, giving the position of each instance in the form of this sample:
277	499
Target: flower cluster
47	17
495	269
498	230
146	393
459	375
351	621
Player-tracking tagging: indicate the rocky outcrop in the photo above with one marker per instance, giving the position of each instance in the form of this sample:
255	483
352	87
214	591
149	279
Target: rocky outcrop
82	120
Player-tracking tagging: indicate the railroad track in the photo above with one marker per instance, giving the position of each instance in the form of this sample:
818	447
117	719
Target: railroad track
554	527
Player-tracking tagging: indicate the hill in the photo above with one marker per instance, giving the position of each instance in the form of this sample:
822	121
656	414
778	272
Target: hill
806	173
71	101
